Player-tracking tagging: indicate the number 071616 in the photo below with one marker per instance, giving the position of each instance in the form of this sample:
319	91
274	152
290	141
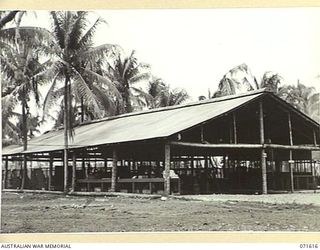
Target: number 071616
309	246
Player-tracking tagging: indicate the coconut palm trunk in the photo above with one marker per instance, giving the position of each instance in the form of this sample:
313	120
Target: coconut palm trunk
25	143
127	100
66	122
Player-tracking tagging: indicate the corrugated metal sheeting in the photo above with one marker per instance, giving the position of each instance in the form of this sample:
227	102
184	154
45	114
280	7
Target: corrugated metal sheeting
136	126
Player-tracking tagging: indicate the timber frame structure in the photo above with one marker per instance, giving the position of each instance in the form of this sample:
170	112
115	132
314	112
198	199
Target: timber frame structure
261	142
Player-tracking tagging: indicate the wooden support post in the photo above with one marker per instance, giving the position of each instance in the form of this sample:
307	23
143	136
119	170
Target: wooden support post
230	131
114	171
167	169
65	170
234	122
84	168
263	152
192	166
225	166
24	172
291	165
206	166
314	137
5	179
314	181
291	162
74	168
201	133
50	173
105	164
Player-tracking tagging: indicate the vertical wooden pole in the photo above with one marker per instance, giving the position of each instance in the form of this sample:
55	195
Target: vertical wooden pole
66	136
201	133
234	122
167	169
84	168
291	162
313	165
192	166
230	131
206	165
313	169
65	170
263	152
24	172
74	166
5	173
50	173
105	164
273	165
114	171
225	166
25	140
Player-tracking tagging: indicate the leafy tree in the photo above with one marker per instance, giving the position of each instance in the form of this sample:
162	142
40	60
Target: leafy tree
237	80
301	97
76	64
126	73
21	70
21	49
161	95
271	81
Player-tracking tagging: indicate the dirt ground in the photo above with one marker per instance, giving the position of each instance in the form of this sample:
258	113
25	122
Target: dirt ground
30	213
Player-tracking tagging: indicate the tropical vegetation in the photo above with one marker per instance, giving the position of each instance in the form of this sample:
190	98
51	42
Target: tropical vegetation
84	82
240	79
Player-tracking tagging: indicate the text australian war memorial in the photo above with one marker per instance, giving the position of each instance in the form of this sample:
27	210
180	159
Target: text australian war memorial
247	143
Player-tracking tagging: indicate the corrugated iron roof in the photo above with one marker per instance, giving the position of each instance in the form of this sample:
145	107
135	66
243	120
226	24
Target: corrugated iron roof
145	125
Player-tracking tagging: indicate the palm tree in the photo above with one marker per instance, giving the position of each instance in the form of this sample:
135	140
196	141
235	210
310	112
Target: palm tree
271	81
21	68
126	73
11	133
313	107
303	98
162	95
75	65
13	122
237	80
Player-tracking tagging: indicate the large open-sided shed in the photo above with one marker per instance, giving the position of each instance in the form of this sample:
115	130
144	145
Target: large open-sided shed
250	142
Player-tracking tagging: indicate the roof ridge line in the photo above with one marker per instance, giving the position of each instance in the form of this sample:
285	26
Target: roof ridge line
195	103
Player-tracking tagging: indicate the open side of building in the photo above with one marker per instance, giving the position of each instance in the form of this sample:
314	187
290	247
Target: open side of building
249	143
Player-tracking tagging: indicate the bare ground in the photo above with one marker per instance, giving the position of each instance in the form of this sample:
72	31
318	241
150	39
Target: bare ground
39	213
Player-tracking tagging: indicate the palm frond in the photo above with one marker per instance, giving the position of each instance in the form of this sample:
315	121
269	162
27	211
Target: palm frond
8	17
105	99
31	35
77	29
85	92
149	99
87	37
12	133
51	97
102	51
129	63
8	104
57	28
141	77
109	84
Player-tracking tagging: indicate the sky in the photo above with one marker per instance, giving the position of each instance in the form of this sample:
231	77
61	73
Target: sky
194	48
